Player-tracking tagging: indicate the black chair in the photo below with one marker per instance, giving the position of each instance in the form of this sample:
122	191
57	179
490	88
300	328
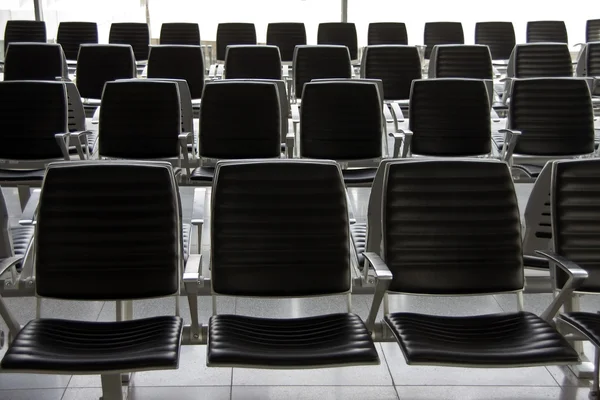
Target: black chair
440	238
92	218
253	62
135	34
101	63
233	33
238	120
387	33
286	36
461	61
442	33
141	119
178	62
555	118
182	33
342	120
35	61
448	117
339	33
547	32
319	62
574	202
313	240
592	30
71	35
24	31
498	36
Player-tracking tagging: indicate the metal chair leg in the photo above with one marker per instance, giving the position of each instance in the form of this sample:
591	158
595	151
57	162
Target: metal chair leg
111	387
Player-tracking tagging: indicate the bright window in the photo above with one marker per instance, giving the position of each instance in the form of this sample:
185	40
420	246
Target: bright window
15	9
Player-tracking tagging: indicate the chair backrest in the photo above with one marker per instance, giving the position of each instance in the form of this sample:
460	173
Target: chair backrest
555	116
71	35
140	119
101	63
180	33
234	33
283	100
533	60
320	62
341	120
178	62
108	231
297	211
75	108
252	62
339	33
387	33
592	30
499	36
24	31
461	61
442	33
396	65
575	211
450	117
240	119
286	36
135	34
27	128
6	244
35	61
589	60
451	227
538	223
547	32
377	82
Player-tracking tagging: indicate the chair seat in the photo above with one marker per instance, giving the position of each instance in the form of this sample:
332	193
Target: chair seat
587	323
187	232
327	340
11	175
535	262
203	174
509	339
530	169
21	237
359	238
359	175
63	346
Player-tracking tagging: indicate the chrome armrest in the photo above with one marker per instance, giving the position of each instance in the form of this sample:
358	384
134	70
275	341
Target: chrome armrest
220	71
285	71
407	135
96	116
13	325
290	140
383	279
398	140
63	142
576	277
192	281
82	140
183	144
198	207
397	111
295	116
29	213
510	142
212	71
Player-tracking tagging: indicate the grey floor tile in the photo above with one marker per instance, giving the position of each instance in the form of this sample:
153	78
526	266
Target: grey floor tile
313	392
479	393
37	394
298	307
404	374
33	381
575	393
566	378
377	375
156	393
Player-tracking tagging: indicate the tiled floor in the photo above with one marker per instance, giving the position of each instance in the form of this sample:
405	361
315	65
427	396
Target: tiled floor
393	379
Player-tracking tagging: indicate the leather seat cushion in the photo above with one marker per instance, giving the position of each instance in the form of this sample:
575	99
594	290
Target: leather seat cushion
587	323
335	339
22	175
535	262
21	237
359	175
64	346
205	174
187	232
507	339
359	238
